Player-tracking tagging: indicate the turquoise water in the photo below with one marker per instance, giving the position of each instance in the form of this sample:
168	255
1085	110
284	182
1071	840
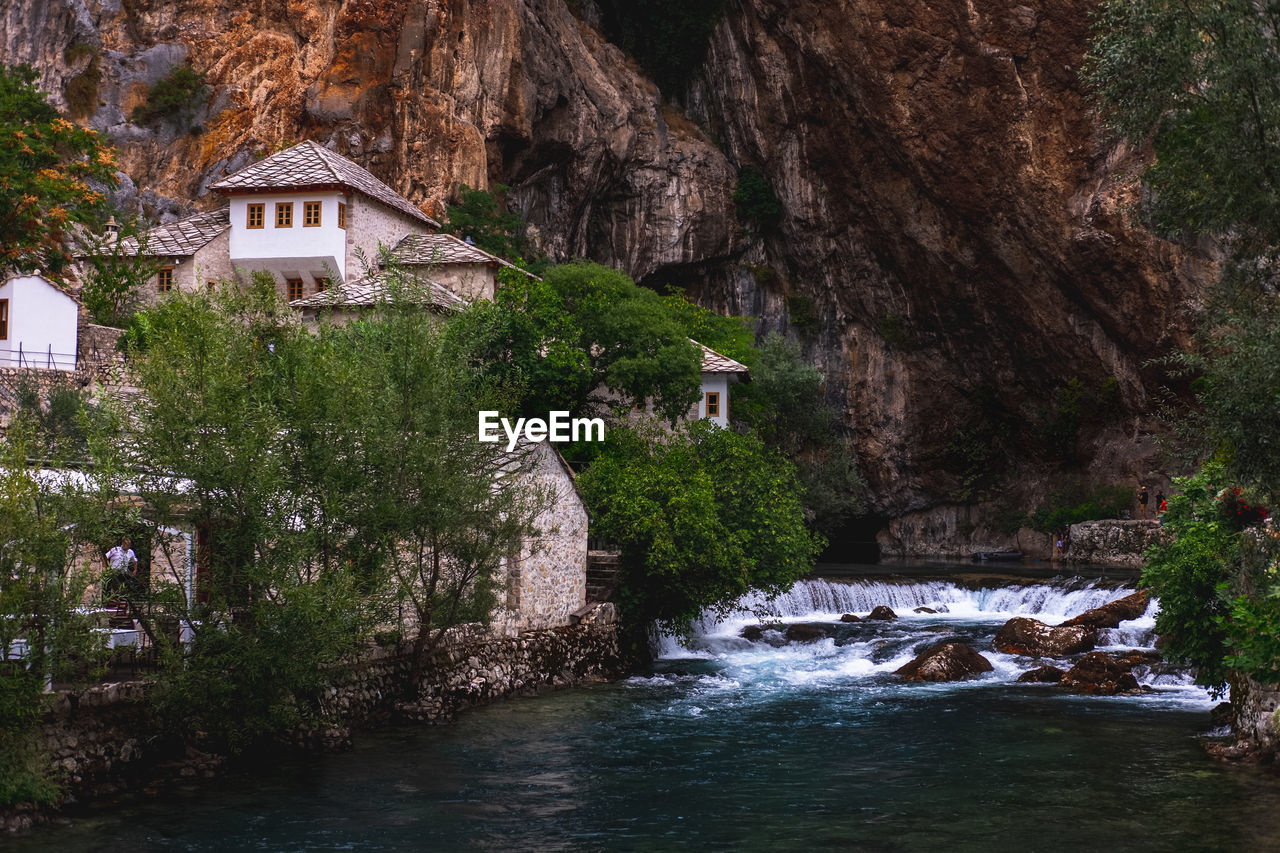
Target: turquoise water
731	745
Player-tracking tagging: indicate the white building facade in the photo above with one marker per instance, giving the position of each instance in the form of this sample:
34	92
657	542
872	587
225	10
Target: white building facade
39	324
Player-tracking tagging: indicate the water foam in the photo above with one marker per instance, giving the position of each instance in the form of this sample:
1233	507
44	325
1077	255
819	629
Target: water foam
868	653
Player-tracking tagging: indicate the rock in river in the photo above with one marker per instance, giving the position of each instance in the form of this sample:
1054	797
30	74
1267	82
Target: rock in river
849	617
883	612
945	662
1100	675
1042	675
805	633
1024	636
1111	615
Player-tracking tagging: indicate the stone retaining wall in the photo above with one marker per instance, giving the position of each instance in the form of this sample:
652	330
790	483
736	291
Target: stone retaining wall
108	738
1117	543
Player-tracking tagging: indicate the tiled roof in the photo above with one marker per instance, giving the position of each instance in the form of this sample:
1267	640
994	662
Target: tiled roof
373	289
181	238
714	362
308	166
443	249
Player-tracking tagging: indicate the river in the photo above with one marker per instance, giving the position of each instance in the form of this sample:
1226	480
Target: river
733	745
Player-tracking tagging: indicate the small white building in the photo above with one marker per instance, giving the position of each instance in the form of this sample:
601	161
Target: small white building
718	373
38	324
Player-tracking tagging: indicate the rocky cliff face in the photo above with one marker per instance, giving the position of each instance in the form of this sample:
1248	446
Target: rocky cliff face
954	224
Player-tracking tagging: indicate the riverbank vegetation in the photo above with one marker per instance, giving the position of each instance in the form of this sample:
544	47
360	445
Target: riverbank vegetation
1201	81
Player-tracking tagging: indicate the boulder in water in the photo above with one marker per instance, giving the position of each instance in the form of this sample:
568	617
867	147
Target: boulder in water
1042	675
1222	714
1099	674
805	633
942	608
1111	615
945	662
755	633
849	617
882	613
924	610
1138	657
1024	636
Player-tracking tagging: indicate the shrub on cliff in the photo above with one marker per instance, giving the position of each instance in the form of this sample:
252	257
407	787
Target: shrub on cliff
701	517
174	98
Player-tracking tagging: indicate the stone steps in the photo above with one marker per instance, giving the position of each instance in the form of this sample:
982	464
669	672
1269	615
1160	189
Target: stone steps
602	575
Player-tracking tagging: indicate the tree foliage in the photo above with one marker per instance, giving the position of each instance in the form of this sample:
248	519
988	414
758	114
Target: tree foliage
114	278
481	217
1201	79
339	487
785	404
701	517
584	328
48	170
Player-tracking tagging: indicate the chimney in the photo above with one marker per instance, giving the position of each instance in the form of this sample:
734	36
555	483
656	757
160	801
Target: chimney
111	233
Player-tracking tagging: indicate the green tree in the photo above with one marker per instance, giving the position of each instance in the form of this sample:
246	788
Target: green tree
481	217
48	170
785	404
582	329
339	487
701	517
728	335
1201	79
47	523
114	277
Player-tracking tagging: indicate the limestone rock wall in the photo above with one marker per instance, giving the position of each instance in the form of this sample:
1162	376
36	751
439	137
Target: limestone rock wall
955	226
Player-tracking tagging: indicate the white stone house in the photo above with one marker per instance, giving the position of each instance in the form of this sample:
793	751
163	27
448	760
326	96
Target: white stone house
309	216
39	324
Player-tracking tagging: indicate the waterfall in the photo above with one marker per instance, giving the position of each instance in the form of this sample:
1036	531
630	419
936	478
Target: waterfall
1050	602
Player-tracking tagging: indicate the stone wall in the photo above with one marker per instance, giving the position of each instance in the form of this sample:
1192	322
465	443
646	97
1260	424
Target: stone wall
548	583
371	225
1122	544
107	739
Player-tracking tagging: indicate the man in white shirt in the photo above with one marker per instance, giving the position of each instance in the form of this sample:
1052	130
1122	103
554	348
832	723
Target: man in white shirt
123	565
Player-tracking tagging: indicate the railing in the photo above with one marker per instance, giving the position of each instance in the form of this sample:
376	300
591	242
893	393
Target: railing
47	360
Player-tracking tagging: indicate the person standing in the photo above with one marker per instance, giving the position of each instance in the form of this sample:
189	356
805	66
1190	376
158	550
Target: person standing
1142	500
123	565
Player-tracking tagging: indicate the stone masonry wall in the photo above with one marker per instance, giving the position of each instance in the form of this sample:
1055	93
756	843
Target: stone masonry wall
106	739
1114	543
370	225
549	583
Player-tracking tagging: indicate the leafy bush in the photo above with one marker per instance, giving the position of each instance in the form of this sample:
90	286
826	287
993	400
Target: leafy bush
174	98
701	517
755	198
1072	506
